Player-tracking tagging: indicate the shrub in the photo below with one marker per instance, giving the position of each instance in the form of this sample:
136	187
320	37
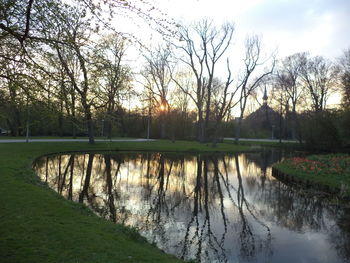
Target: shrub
320	130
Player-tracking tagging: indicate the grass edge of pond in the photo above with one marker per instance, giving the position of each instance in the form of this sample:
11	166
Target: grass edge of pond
326	183
38	225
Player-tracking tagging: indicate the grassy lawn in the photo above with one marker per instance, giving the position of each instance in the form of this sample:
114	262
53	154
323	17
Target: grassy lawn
331	170
284	145
38	225
56	137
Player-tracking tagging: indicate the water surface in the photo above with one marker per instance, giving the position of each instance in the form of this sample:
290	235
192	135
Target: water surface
212	208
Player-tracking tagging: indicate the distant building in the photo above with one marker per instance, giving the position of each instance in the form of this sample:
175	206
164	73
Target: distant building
264	122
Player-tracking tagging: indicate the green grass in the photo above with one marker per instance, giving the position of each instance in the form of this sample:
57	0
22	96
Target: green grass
270	144
55	137
332	170
261	145
38	225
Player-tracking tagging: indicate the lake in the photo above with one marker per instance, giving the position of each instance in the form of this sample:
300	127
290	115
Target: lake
207	207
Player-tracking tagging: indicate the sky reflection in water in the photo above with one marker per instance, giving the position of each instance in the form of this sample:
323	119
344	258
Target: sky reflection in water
206	207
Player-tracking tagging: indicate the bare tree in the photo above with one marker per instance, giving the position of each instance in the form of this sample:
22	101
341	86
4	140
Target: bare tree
182	113
319	76
223	101
203	46
288	77
345	77
250	80
288	81
157	74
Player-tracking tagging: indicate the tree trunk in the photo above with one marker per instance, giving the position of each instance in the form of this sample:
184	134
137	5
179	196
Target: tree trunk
162	125
200	128
89	123
238	129
107	126
74	130
215	134
60	120
90	128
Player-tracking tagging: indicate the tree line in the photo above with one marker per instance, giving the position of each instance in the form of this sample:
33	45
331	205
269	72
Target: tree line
65	71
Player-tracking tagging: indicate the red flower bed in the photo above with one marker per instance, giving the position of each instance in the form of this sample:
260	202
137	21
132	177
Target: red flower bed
322	164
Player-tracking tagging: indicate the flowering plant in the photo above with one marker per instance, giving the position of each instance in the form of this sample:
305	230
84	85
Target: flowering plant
321	164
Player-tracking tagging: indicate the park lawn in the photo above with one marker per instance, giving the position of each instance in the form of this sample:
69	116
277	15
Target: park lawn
56	137
268	144
38	225
332	170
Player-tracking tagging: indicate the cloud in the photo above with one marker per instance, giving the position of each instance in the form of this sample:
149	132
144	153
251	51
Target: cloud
293	15
318	26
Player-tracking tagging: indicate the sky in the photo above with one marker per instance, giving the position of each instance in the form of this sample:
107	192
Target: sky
320	27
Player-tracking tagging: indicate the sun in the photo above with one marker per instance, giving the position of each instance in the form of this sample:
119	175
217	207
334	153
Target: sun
162	107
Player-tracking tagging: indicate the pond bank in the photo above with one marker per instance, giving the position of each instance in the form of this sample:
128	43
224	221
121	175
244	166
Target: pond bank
329	174
37	225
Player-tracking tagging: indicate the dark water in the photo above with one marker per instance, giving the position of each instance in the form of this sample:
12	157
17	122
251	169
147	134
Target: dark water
205	207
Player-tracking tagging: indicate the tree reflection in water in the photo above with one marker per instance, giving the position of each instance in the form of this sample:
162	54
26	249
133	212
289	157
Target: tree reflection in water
208	208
